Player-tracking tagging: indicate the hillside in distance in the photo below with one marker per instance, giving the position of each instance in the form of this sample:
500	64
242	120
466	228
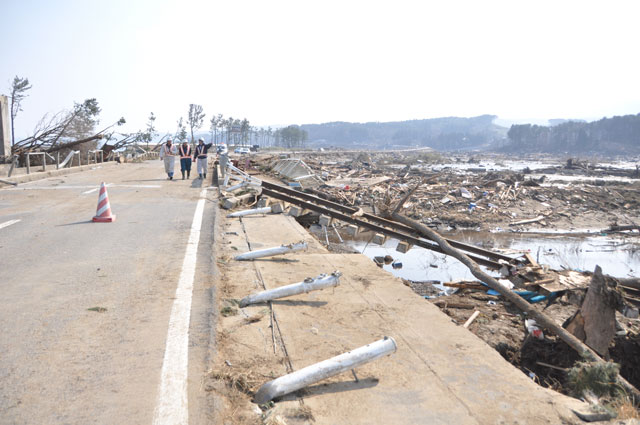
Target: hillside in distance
450	133
619	135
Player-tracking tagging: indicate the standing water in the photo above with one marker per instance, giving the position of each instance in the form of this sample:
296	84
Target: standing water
617	257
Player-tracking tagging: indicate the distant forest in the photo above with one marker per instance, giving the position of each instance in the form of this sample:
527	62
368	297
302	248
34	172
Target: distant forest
437	133
612	136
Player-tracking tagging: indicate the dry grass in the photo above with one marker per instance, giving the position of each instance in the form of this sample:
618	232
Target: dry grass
625	408
246	381
302	412
256	317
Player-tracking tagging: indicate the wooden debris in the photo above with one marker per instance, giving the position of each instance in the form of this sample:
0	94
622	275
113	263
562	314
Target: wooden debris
533	220
595	322
446	304
471	319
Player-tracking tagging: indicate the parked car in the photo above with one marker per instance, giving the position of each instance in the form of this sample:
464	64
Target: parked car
242	151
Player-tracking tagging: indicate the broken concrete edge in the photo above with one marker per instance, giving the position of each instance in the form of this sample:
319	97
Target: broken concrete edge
233	201
41	175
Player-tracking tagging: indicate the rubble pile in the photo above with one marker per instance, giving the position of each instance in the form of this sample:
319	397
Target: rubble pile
598	310
476	197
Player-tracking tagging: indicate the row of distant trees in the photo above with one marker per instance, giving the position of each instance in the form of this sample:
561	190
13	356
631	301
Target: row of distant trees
616	135
79	126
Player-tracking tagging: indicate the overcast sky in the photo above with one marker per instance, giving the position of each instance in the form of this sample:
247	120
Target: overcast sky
295	62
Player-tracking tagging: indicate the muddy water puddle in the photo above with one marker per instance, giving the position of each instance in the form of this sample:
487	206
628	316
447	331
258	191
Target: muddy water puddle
617	257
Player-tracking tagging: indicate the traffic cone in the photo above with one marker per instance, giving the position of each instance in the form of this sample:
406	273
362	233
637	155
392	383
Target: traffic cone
103	213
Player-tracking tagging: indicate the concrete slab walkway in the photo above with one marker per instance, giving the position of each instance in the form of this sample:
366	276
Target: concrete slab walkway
441	372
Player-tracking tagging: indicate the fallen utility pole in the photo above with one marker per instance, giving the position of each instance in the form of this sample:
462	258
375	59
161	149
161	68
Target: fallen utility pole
309	284
391	232
316	204
270	252
311	374
541	318
245	213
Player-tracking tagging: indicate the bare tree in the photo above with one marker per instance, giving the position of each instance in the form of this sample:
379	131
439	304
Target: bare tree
148	135
19	87
195	119
181	132
216	122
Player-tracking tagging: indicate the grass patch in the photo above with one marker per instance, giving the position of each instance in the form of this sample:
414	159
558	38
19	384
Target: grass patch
98	309
228	311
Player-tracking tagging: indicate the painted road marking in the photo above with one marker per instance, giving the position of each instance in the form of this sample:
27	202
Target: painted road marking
8	223
172	407
96	188
92	187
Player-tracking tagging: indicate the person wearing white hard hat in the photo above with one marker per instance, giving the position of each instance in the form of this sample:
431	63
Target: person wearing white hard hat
168	155
201	157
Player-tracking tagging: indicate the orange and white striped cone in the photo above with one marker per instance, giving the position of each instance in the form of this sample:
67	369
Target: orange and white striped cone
103	213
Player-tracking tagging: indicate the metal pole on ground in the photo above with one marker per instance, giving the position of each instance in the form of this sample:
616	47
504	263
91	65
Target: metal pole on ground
311	374
309	284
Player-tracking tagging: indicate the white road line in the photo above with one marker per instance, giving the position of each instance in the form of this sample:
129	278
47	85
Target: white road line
47	187
172	406
8	223
91	187
96	188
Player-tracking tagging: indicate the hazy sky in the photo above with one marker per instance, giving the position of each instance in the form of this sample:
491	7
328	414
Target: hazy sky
295	62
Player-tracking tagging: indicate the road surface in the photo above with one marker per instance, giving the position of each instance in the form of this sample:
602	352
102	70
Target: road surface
65	362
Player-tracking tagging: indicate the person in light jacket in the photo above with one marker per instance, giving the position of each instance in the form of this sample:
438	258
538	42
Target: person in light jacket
168	155
201	157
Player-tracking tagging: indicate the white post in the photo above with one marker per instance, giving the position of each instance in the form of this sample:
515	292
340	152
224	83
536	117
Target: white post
270	252
235	187
309	284
323	370
250	212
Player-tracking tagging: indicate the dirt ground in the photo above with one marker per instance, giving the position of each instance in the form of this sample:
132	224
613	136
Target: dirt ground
502	326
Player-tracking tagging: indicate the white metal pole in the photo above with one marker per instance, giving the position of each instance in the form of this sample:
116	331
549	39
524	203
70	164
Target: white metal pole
235	187
269	252
309	284
250	212
323	370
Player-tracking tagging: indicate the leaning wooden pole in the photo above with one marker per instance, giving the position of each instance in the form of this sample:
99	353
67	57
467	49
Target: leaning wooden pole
516	299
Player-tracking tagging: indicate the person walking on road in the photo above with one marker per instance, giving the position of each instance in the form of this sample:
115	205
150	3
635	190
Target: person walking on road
168	153
185	159
201	157
224	160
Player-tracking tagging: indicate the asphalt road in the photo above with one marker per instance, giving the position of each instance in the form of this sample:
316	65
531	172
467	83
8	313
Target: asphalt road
64	363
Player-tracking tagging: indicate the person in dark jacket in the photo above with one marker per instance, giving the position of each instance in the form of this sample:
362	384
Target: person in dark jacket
185	159
200	156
